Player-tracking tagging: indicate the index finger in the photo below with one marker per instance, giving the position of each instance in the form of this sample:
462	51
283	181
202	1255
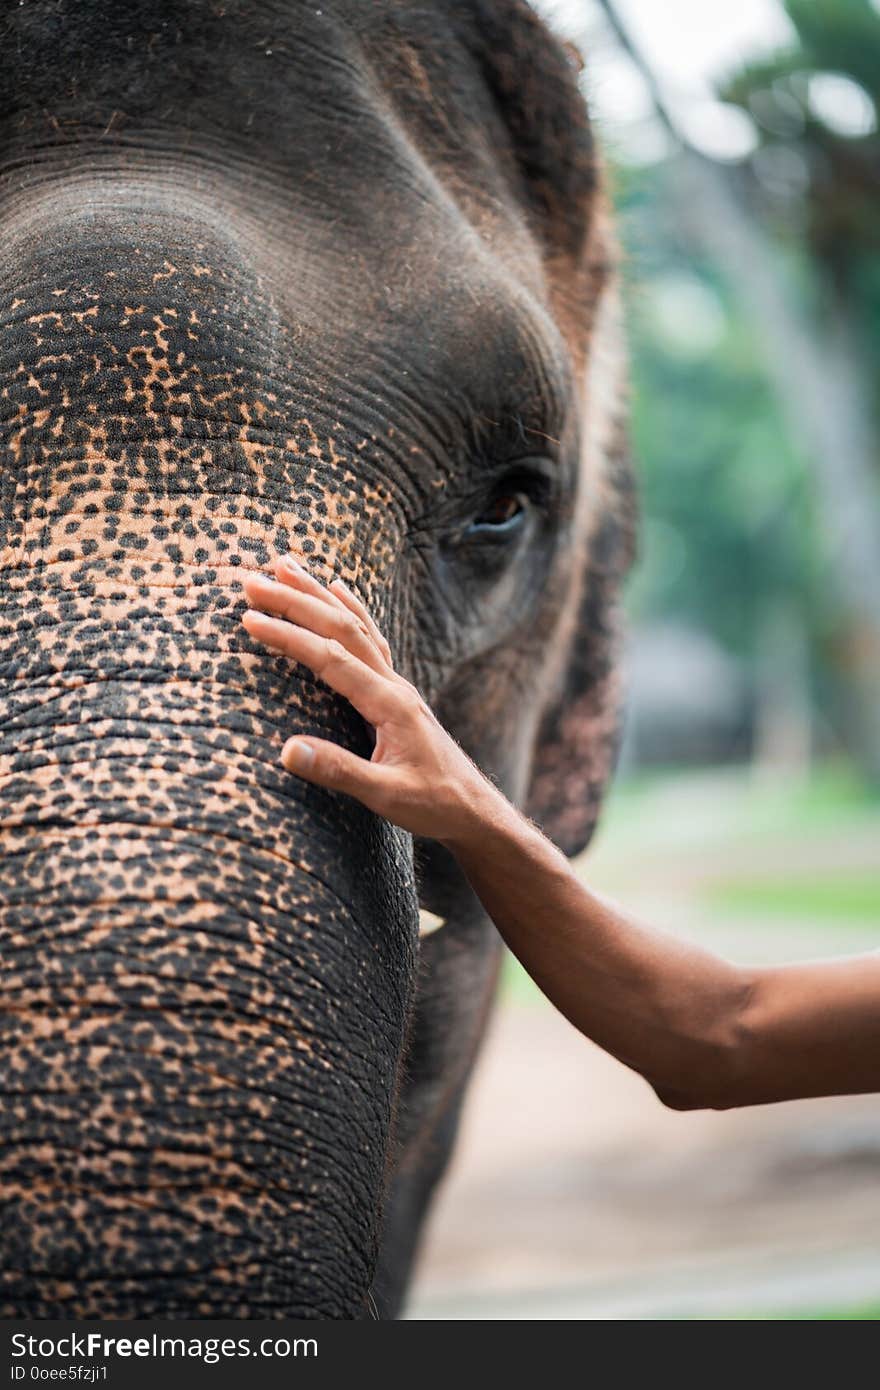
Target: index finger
336	594
375	696
360	610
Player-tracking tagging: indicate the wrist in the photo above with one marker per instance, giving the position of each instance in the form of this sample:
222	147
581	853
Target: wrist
482	813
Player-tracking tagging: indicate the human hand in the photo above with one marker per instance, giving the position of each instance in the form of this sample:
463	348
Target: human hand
417	776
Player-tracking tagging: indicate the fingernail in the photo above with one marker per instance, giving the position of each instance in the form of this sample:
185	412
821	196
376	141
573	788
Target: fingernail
297	756
290	564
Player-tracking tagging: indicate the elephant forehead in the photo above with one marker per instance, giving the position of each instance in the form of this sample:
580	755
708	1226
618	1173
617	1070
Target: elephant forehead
152	407
356	149
341	97
168	345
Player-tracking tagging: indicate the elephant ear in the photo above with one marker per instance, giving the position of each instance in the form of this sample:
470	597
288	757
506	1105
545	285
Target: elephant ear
531	81
577	739
555	176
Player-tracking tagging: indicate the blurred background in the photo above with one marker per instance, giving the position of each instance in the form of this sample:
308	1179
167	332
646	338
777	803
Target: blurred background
745	166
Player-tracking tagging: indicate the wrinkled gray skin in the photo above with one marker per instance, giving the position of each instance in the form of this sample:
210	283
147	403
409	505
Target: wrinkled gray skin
275	276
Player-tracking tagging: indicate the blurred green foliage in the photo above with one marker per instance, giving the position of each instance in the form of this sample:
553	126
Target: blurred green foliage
727	507
825	185
732	527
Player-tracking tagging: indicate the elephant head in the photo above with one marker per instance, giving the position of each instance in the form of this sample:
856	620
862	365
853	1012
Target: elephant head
275	276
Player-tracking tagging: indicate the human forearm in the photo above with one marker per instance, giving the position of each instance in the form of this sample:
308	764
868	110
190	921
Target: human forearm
666	1008
702	1031
813	1030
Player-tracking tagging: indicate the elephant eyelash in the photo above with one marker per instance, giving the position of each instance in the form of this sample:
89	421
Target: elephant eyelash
512	433
537	477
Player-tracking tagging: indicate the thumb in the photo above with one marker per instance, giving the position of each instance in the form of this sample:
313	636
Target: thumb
327	765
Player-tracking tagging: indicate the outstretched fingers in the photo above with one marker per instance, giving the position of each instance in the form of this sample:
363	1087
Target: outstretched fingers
376	696
339	588
291	572
337	593
320	613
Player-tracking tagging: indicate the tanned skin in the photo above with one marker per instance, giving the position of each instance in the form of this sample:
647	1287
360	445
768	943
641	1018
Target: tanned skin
701	1031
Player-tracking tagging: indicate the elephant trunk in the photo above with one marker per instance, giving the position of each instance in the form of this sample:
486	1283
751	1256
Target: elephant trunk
206	966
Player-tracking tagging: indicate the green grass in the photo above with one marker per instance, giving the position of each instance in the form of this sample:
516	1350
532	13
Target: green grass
834	793
834	788
860	1312
866	1312
853	898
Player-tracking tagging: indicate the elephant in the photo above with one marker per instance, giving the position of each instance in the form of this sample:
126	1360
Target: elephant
335	279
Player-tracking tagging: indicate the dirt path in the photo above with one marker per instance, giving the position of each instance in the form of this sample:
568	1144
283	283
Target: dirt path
572	1182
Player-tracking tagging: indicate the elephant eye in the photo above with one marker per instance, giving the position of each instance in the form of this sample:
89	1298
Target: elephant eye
499	520
504	515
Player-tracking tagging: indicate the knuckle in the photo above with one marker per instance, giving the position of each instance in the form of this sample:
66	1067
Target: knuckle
336	652
409	698
330	768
